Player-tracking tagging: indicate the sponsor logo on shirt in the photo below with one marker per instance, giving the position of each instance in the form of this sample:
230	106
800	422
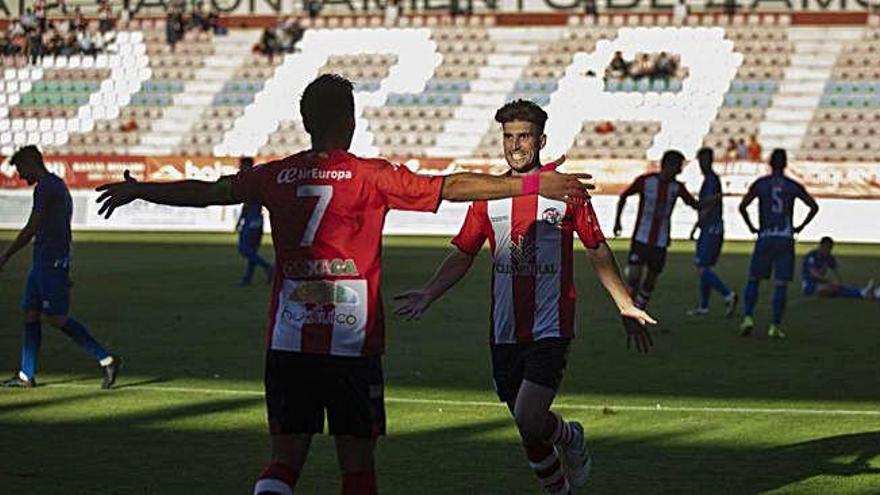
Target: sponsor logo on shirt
320	268
319	316
523	260
291	175
502	218
321	292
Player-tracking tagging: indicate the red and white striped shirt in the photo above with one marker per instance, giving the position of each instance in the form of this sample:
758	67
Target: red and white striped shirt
327	211
533	293
656	201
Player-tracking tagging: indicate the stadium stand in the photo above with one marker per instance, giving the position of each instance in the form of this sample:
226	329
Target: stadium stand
205	98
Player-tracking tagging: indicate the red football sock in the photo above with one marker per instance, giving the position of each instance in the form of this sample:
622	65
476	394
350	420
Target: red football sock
275	472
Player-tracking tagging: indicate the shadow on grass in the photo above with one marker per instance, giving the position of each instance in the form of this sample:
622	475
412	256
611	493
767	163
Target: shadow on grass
137	452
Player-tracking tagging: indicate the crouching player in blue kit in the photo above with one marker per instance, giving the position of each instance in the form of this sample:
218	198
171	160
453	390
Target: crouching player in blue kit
819	276
48	283
711	227
250	233
774	250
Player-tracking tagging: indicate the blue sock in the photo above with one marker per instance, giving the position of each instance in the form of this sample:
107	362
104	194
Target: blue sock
751	297
249	271
705	289
30	347
715	282
780	292
850	291
76	331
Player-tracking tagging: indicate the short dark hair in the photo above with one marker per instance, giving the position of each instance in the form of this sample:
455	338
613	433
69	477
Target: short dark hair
524	110
671	158
705	154
778	159
29	154
246	161
826	240
325	102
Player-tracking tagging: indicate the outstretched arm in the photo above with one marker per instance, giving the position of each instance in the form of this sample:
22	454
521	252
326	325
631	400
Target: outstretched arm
605	266
814	208
414	303
23	238
181	193
550	184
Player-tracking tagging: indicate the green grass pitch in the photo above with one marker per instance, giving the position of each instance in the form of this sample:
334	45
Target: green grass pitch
705	412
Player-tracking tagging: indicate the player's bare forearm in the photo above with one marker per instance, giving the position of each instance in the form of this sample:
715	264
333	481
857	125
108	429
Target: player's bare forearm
605	266
22	239
186	193
453	268
182	193
476	187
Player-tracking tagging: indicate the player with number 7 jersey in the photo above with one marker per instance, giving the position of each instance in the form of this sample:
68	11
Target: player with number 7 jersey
326	328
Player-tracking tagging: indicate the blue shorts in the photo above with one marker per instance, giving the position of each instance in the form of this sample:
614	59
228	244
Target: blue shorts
47	291
249	241
708	249
773	254
808	287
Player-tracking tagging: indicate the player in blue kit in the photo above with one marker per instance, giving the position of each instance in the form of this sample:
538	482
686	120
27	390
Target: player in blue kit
711	227
250	233
819	276
774	250
48	284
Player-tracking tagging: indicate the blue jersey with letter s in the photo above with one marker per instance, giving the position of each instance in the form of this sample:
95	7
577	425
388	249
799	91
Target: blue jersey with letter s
713	223
776	194
53	203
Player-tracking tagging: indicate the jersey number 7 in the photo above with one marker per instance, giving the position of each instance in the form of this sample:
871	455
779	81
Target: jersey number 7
324	195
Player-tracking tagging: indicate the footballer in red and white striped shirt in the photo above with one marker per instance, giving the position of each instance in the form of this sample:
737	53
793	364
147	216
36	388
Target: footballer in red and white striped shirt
533	298
326	326
658	193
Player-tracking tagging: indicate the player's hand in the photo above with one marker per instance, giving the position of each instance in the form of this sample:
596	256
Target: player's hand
752	229
692	234
798	229
637	334
618	229
117	194
413	304
571	188
639	315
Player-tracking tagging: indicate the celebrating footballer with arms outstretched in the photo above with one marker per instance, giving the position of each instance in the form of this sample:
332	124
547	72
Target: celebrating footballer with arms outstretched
326	331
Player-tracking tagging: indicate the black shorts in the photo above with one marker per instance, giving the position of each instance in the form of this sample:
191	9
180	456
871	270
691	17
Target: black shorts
541	362
643	254
300	387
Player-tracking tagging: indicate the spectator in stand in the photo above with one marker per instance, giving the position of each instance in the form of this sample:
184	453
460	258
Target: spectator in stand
105	17
392	12
754	149
289	33
70	45
730	151
28	20
198	19
618	69
268	44
173	26
214	21
742	150
40	14
643	66
666	66
36	50
61	5
313	7
78	22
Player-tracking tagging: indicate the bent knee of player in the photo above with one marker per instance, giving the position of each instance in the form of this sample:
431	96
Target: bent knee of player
57	321
31	316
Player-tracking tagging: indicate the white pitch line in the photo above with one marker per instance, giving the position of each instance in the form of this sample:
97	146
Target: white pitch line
469	403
